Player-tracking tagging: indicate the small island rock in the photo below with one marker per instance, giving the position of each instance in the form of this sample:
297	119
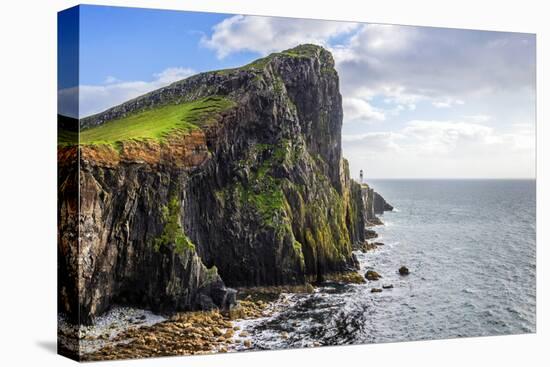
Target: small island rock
372	275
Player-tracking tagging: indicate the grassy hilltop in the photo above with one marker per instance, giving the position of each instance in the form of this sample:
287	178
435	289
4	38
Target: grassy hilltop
155	124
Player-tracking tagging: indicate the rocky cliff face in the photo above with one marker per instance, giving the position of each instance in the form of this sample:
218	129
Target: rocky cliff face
116	259
373	204
258	194
367	195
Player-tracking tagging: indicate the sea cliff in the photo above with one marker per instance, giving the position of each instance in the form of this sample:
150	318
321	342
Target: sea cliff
248	188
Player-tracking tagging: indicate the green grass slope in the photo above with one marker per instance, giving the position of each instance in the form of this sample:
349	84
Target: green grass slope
157	123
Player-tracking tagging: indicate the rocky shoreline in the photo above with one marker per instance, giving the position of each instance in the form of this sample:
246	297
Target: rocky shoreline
130	333
127	333
185	333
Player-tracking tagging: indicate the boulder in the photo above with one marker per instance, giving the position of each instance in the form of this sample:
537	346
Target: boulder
403	270
369	234
372	275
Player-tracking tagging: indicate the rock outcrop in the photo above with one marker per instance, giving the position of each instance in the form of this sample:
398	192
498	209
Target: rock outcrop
257	194
372	275
380	205
373	204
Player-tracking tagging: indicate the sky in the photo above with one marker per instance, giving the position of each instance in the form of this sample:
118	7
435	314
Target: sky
419	102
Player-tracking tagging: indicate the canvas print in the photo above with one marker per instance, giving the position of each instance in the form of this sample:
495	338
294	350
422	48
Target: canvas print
233	183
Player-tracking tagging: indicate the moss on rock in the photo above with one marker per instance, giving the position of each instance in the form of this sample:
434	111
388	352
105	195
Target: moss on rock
173	233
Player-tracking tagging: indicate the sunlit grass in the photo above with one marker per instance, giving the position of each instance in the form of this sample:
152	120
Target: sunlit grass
156	123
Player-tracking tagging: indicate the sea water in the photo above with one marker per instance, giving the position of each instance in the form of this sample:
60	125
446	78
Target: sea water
470	248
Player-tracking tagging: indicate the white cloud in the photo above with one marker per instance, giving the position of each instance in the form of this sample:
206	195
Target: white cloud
97	98
171	75
111	79
441	104
269	34
524	126
445	67
431	148
443	137
382	141
376	39
447	103
479	118
361	109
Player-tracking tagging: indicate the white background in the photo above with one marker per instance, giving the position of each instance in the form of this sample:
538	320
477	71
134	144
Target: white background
28	182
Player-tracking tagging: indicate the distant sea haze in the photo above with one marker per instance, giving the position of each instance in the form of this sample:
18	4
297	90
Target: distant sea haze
470	248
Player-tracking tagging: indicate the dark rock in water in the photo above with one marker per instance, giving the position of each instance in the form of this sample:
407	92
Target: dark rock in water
351	277
260	190
376	290
367	246
388	286
375	222
370	234
215	294
380	204
372	275
404	270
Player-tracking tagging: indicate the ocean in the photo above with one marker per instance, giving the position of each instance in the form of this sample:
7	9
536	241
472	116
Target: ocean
470	248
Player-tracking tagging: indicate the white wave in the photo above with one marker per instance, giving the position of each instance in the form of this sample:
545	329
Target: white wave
391	244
